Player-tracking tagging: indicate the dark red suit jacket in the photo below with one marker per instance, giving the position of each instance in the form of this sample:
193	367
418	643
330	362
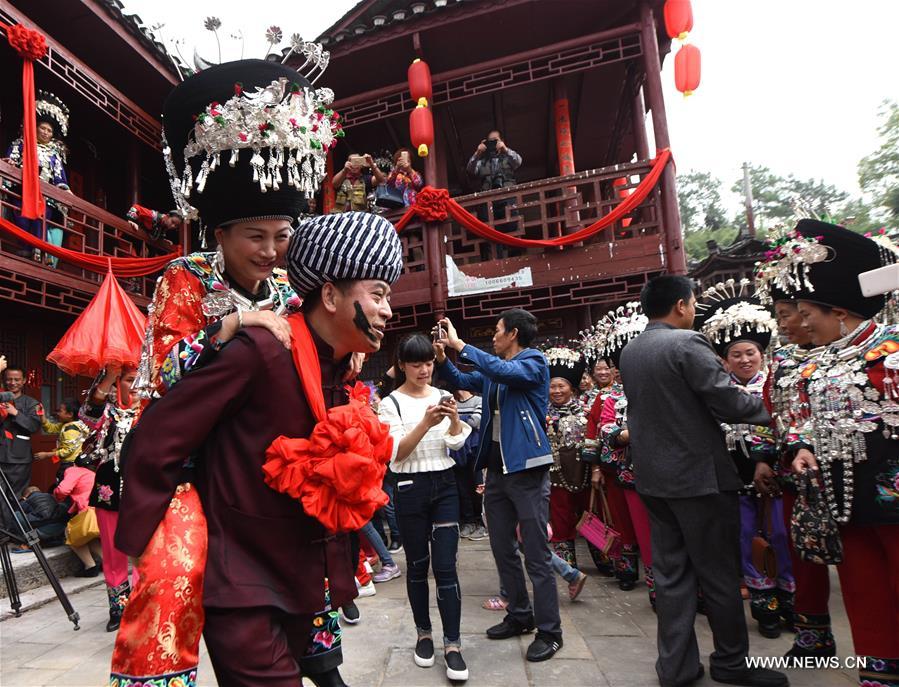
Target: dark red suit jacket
263	549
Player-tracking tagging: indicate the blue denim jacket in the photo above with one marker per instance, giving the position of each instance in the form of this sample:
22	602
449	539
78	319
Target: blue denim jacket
522	388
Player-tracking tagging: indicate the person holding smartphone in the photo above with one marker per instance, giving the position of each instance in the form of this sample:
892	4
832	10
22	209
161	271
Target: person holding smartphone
425	425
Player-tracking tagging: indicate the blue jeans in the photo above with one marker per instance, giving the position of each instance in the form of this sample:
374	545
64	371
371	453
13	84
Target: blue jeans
427	509
377	543
563	570
389	511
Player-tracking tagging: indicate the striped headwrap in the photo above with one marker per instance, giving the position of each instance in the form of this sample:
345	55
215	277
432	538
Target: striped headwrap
348	245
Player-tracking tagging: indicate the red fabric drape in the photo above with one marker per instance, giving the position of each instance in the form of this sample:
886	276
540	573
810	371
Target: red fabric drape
31	45
434	205
121	267
109	330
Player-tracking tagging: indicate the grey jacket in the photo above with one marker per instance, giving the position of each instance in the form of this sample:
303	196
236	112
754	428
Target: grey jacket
18	430
678	394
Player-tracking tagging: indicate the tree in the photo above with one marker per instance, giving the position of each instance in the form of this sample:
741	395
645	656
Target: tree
699	198
878	173
776	198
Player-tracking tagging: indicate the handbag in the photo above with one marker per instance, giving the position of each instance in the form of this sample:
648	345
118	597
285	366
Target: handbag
763	557
598	529
815	533
82	528
389	197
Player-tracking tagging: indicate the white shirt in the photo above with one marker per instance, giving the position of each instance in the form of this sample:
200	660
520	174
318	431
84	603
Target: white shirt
430	455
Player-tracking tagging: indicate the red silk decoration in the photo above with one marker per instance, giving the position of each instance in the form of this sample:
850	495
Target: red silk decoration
436	205
121	267
109	330
337	472
687	69
678	18
419	76
30	44
421	129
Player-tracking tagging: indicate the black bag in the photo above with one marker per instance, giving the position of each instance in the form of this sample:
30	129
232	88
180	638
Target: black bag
389	197
813	529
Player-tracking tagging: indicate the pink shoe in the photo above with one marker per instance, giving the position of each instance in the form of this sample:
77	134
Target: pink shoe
387	573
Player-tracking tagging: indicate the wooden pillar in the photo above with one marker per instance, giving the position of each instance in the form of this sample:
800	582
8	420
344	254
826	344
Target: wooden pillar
434	240
327	186
562	121
674	245
134	172
641	142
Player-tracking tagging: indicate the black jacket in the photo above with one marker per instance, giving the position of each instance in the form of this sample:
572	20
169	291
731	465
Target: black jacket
21	427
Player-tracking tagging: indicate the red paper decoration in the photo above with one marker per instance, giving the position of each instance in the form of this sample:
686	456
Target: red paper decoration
687	69
421	129
678	18
420	82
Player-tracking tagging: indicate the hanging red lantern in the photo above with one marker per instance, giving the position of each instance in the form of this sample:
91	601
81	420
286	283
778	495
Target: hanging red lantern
687	69
678	18
421	129
420	82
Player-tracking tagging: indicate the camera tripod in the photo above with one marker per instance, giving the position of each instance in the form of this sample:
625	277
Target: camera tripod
28	536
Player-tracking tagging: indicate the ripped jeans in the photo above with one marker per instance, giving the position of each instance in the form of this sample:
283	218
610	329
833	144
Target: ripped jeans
427	510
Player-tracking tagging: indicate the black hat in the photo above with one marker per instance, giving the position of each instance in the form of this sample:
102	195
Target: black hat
252	136
834	282
728	313
566	363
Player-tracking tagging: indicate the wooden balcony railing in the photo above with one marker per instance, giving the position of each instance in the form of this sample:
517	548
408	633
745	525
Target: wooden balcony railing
86	228
616	256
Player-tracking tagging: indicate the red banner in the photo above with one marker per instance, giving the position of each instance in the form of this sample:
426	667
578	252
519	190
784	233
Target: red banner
121	267
434	205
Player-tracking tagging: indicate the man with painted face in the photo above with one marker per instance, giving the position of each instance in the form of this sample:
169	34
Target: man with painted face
267	557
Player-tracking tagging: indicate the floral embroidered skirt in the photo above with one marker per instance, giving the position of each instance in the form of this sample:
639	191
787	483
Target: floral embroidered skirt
159	638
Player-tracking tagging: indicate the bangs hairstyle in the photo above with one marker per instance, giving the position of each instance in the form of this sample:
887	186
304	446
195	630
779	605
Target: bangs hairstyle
415	348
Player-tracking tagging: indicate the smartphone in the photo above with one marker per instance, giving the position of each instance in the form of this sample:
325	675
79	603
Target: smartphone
445	398
879	281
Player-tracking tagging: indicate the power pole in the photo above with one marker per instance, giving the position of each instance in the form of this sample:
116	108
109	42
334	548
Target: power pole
747	199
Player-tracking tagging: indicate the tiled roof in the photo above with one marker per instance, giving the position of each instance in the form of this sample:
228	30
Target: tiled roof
373	15
136	27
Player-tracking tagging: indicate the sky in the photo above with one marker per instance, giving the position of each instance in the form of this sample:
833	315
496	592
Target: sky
794	85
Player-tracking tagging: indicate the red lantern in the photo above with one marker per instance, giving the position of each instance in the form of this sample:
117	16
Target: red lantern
687	69
420	82
421	129
678	18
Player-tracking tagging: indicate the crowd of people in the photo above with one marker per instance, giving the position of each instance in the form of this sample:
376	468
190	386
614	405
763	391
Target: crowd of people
744	439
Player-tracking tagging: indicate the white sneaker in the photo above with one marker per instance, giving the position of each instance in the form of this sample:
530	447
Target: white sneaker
367	589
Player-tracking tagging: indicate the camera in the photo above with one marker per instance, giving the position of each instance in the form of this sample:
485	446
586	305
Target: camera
7	397
491	146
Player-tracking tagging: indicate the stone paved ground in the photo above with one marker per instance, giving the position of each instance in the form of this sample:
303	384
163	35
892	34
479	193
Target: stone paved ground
609	640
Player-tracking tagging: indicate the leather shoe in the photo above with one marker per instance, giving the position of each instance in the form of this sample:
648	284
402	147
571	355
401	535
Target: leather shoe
696	678
331	678
544	647
752	677
114	622
509	627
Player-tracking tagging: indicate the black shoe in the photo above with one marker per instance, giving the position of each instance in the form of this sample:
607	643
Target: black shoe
424	652
455	666
509	627
394	546
685	683
114	622
544	647
753	677
330	679
770	630
626	585
92	571
797	651
351	613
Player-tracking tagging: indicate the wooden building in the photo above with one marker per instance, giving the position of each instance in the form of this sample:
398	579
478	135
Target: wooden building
111	74
540	72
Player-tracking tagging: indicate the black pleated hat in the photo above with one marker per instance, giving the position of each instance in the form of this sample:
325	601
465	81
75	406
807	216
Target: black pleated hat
230	193
835	280
566	363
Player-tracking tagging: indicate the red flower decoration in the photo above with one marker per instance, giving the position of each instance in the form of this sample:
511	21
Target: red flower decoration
430	204
337	472
30	44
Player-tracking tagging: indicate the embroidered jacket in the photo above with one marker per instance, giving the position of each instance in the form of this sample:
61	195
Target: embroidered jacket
614	456
851	423
565	429
50	161
71	437
592	438
750	444
189	303
408	184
